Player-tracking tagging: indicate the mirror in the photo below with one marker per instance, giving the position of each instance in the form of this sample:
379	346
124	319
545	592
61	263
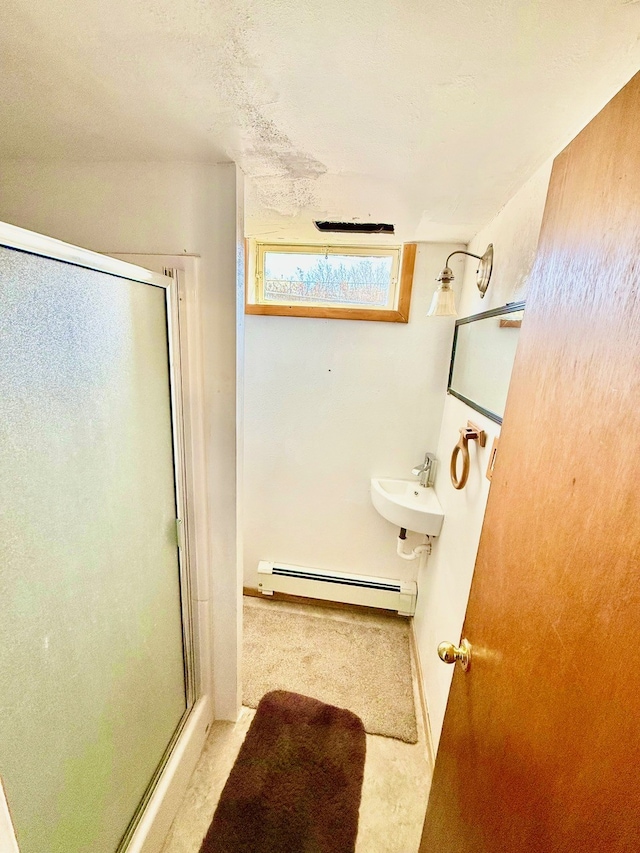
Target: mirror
484	347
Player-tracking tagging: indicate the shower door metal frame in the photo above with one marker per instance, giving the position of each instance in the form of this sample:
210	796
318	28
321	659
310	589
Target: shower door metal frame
20	239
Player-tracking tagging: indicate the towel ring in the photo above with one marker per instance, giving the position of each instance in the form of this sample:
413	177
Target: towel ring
469	433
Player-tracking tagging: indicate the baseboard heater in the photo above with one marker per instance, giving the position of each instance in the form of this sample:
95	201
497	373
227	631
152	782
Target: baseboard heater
338	586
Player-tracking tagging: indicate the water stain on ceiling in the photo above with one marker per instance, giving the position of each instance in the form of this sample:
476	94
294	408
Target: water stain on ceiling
429	115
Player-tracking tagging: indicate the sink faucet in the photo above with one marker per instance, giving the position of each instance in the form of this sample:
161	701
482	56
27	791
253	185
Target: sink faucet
426	471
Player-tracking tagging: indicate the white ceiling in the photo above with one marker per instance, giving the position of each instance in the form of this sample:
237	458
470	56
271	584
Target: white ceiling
426	113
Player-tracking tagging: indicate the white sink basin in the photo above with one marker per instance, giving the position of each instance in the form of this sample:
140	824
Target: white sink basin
406	503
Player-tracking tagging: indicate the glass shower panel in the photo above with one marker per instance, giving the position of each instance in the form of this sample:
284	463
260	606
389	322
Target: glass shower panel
92	679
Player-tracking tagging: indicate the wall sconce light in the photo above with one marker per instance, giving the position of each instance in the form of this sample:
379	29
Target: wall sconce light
443	303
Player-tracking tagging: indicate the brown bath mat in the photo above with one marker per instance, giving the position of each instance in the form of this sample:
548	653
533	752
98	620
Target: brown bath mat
296	784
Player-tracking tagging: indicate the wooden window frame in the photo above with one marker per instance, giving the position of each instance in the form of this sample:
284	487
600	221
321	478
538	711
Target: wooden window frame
400	314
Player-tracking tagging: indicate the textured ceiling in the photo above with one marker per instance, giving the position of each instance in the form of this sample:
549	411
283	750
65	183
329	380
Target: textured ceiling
429	113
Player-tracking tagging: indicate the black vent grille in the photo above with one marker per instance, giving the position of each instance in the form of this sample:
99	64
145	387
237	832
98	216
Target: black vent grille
311	576
355	227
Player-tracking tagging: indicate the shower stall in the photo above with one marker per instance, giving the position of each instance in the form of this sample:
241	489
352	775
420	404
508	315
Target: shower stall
97	655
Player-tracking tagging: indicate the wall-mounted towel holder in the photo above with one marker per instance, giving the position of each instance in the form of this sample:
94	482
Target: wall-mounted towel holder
469	433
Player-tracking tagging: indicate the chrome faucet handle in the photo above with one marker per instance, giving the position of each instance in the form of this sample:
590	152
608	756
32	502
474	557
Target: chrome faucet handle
428	459
426	471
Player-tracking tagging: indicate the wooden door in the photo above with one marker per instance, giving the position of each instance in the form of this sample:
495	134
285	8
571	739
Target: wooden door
541	743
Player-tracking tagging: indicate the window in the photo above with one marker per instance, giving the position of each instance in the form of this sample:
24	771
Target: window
335	282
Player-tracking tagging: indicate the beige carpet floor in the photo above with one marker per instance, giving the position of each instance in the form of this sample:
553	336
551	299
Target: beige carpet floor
353	664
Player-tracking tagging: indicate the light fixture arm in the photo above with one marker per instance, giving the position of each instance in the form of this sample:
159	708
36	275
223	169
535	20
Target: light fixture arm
461	252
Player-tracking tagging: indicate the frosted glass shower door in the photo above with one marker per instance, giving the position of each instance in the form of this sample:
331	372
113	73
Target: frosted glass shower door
92	672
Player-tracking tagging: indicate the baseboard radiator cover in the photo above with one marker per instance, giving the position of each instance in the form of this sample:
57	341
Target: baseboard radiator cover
338	586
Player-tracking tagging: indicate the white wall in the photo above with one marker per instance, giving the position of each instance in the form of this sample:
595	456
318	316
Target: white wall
328	405
444	584
165	208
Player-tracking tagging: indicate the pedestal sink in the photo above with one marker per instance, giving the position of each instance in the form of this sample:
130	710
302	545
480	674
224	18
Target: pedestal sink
406	503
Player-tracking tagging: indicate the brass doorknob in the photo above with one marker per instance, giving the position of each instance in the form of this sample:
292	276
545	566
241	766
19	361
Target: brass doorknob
456	654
